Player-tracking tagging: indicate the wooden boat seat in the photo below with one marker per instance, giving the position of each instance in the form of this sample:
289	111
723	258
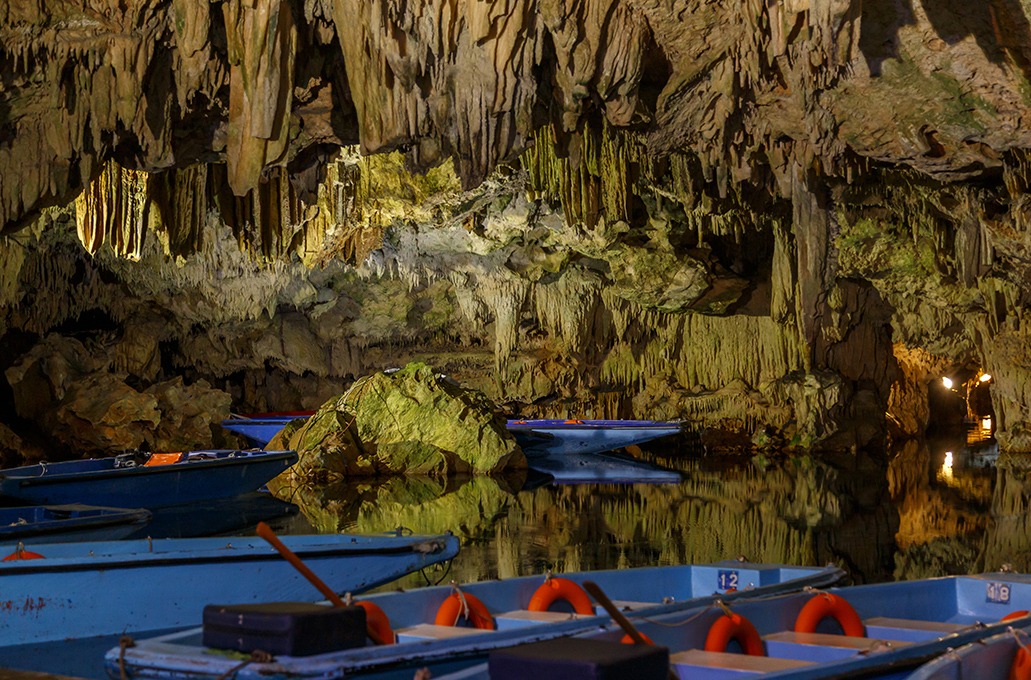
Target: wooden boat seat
819	647
429	631
701	665
909	630
522	618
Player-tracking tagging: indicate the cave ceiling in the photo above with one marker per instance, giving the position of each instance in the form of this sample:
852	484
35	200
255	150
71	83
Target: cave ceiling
940	87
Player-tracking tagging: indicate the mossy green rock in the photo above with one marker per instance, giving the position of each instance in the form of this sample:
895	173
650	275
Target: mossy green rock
411	421
412	416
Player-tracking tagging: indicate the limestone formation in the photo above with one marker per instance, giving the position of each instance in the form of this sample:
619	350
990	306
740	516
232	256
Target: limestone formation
413	420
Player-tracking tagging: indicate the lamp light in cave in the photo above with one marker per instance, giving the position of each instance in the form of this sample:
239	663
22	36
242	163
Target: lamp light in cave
947	382
985	377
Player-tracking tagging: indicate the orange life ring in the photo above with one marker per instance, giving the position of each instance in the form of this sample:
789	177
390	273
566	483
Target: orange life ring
734	627
572	422
451	611
555	589
21	554
1020	669
827	604
1015	615
627	640
376	620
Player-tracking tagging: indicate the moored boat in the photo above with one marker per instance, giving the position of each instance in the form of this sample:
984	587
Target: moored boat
1000	657
148	480
558	437
873	631
260	428
445	628
88	589
68	523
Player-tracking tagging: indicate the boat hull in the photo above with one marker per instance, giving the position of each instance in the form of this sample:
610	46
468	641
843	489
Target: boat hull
989	659
644	590
99	483
538	438
83	590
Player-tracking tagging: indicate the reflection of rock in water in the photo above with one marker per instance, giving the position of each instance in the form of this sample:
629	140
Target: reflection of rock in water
1008	539
801	511
942	509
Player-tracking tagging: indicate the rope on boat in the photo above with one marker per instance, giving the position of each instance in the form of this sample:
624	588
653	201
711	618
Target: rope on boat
257	656
676	625
440	580
124	643
464	611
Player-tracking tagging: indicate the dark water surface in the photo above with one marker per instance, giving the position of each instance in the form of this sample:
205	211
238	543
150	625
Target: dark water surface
926	509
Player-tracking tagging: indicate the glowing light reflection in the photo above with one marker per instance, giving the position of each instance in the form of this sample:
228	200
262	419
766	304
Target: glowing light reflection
947	382
946	471
985	378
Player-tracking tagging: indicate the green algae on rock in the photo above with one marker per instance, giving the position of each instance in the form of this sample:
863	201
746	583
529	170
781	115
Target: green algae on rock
408	421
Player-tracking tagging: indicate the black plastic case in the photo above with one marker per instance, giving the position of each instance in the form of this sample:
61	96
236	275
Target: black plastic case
578	659
284	628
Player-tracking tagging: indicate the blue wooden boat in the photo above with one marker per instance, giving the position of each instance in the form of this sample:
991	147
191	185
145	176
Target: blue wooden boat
261	428
68	523
893	629
80	590
426	622
1001	657
136	479
540	438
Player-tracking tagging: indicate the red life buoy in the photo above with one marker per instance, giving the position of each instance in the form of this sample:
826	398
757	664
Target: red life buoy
451	611
555	589
627	640
572	422
827	604
21	554
376	620
734	627
1014	615
1020	669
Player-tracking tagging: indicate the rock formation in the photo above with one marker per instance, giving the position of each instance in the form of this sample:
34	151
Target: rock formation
751	216
412	420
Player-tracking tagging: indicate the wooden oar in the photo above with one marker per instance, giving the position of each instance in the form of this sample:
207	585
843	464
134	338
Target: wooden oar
617	616
265	531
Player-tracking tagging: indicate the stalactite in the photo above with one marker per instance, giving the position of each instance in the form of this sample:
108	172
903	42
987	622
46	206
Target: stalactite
113	208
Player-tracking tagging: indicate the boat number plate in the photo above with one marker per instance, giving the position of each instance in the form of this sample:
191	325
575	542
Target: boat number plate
726	579
998	593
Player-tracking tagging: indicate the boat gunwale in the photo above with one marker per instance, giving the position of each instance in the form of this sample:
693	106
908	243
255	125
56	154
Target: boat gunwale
138	470
247	554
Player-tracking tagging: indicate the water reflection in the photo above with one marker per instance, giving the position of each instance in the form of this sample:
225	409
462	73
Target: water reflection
930	508
796	510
